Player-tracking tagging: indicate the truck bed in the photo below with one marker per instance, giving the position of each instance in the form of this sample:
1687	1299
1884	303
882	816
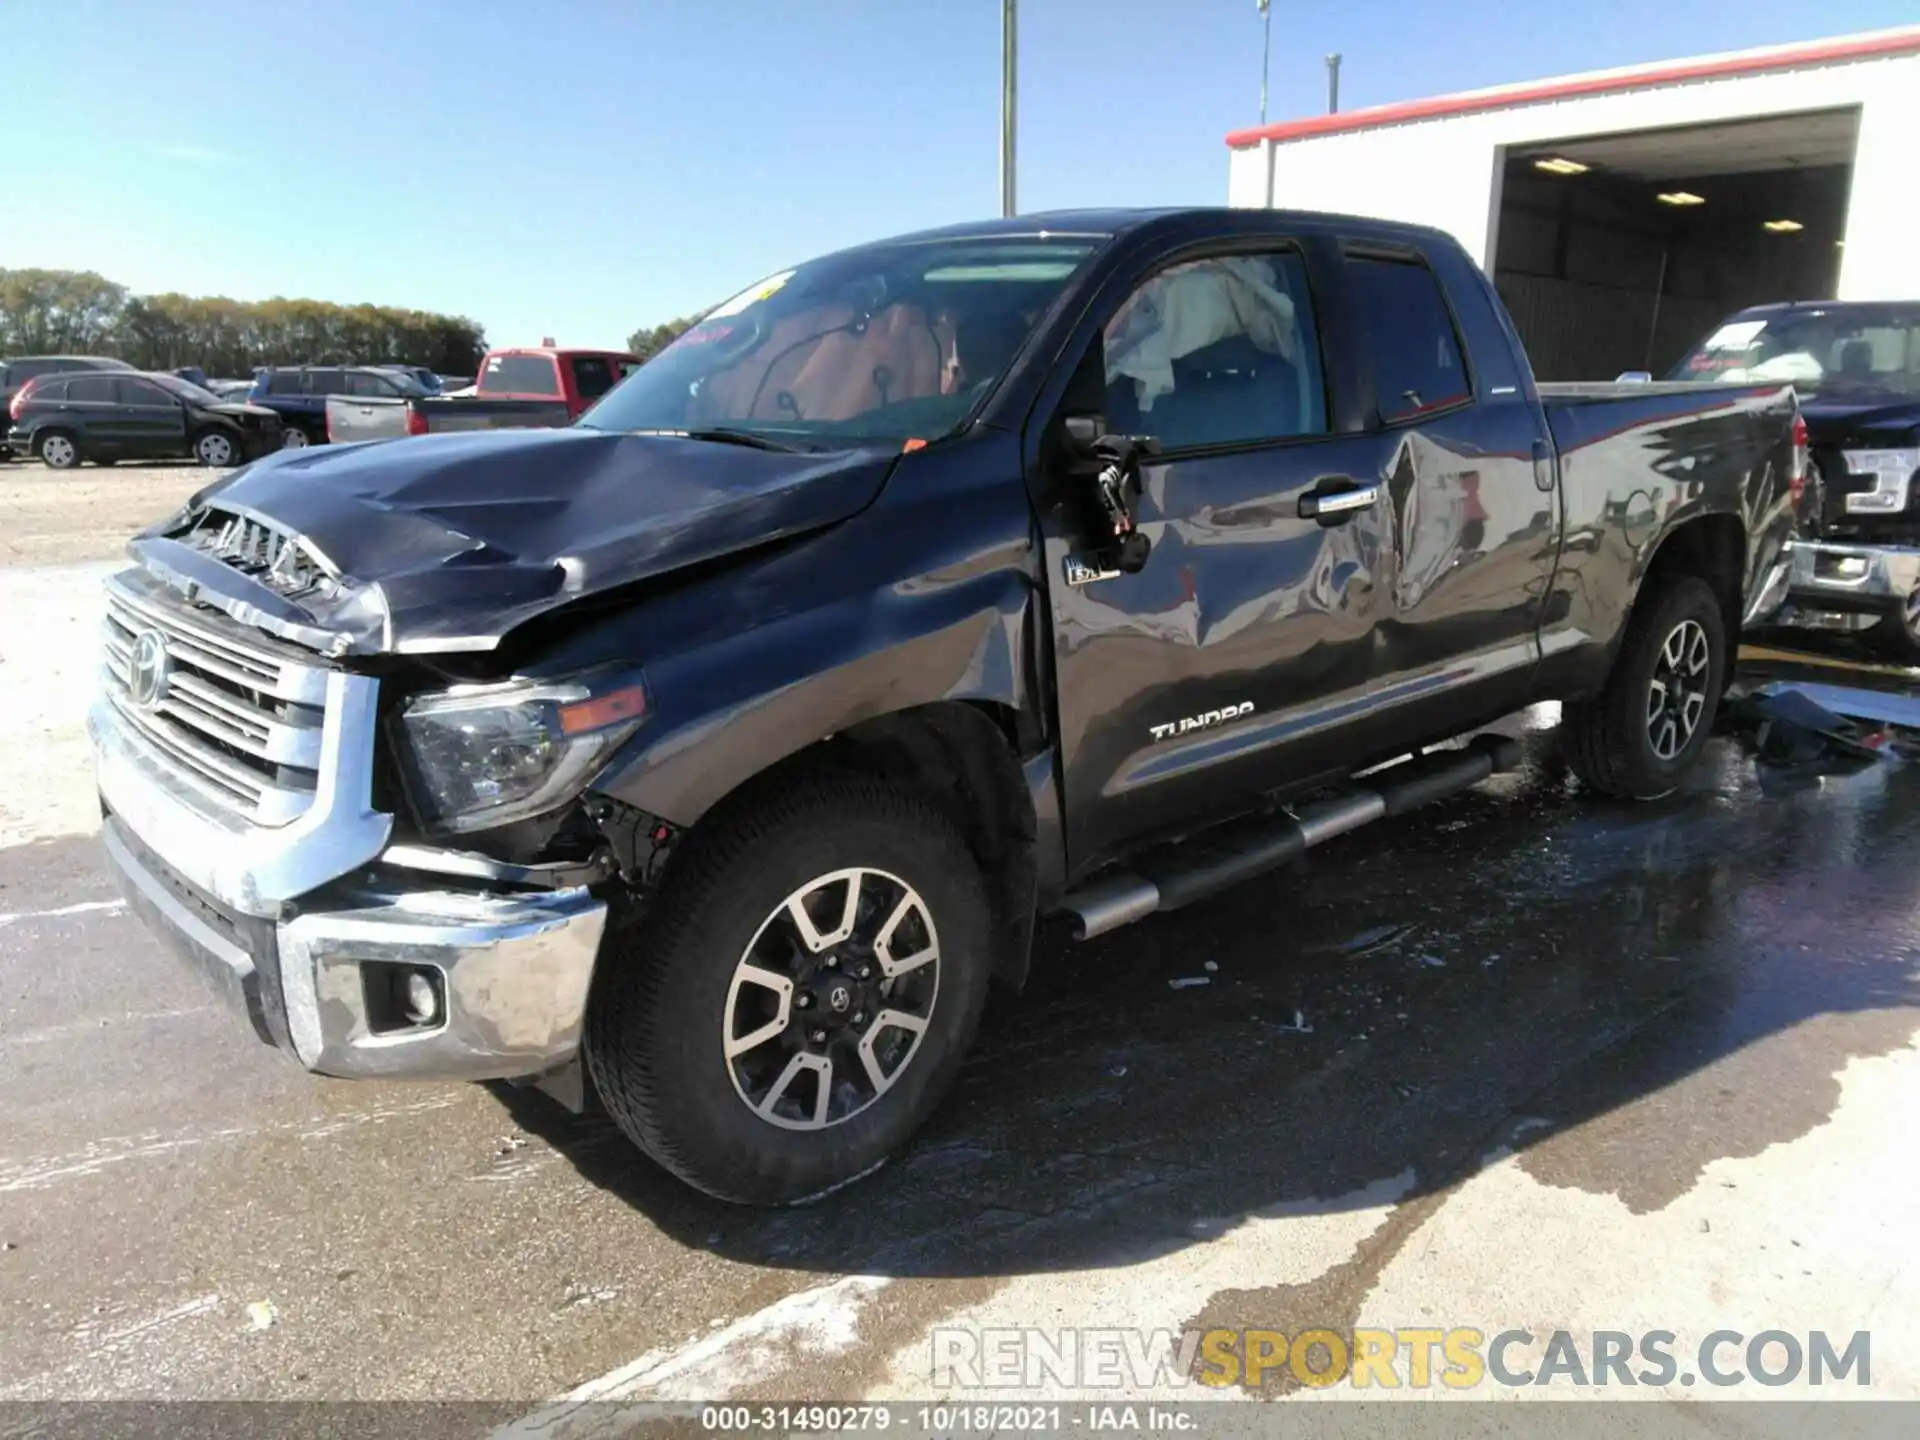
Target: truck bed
351	418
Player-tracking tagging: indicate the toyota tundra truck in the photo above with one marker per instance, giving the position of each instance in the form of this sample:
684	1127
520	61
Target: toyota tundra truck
1855	563
715	753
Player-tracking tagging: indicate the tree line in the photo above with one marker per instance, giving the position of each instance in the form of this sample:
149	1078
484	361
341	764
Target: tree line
76	312
647	343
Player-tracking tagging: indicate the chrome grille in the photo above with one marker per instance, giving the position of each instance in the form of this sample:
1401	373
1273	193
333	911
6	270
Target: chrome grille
239	716
277	559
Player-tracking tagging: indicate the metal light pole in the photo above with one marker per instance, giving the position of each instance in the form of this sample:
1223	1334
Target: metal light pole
1266	48
1009	72
1333	84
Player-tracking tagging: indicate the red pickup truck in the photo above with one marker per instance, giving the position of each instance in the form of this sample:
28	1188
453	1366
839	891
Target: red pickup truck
515	390
577	377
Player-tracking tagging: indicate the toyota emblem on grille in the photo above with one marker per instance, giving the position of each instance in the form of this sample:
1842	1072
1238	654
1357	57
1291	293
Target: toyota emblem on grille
147	669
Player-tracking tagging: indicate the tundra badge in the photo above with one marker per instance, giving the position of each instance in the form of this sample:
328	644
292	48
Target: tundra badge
1201	722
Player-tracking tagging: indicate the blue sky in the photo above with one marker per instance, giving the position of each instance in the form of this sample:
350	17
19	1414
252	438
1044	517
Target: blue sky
579	168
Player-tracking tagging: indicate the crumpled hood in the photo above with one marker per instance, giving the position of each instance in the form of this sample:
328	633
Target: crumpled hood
446	542
1867	420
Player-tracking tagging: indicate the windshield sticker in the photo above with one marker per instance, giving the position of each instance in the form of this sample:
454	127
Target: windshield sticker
1737	336
751	296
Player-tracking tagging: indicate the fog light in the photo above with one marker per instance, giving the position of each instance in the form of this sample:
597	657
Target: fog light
421	997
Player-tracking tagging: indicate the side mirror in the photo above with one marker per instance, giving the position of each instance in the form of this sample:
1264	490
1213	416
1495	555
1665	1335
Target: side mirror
1109	465
1634	377
1084	431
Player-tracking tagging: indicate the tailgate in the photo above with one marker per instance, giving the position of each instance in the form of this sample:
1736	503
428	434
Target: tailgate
452	414
368	417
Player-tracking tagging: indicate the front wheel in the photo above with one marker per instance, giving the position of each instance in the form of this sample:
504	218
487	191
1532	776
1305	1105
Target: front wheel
1645	730
1897	636
215	448
801	996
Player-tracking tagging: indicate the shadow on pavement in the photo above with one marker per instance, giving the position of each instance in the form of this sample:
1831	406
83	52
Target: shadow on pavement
1518	968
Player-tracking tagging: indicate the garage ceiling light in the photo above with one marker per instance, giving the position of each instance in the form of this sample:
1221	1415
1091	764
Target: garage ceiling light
1783	227
1681	197
1560	165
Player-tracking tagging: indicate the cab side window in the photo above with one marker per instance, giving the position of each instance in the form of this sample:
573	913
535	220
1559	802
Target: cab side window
1410	339
1222	351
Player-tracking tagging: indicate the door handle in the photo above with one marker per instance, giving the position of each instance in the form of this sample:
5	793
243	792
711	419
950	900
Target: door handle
1330	505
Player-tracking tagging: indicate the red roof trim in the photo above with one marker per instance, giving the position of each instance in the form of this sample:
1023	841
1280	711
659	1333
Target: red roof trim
1866	47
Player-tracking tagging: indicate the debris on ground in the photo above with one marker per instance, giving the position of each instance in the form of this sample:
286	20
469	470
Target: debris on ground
1187	982
510	1143
1802	725
261	1314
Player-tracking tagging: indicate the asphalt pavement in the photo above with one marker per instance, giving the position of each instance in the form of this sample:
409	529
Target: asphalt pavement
1522	1058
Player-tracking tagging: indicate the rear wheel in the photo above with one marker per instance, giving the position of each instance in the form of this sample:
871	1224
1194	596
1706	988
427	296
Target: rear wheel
1645	730
293	438
801	996
58	450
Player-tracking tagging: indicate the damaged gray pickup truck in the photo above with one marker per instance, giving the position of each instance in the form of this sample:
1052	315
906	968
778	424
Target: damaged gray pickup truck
724	746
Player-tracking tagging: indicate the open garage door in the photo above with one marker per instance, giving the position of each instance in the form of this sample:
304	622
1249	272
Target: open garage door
1618	252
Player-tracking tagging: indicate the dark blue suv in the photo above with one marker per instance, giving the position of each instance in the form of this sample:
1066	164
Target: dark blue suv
299	393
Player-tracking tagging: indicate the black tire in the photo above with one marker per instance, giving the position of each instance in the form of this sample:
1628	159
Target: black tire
66	456
1610	740
1897	637
661	1011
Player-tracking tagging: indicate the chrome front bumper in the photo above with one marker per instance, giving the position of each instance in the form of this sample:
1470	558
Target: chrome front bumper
293	925
1828	576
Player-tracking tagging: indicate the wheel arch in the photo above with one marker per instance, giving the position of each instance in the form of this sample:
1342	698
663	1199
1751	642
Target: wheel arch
1711	546
962	756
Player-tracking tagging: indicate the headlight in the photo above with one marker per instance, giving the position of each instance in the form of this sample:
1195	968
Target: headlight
484	755
1892	472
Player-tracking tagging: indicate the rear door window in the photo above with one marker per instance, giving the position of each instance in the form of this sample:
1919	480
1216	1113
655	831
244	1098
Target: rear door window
133	391
1418	366
286	382
593	376
92	390
326	382
363	383
520	375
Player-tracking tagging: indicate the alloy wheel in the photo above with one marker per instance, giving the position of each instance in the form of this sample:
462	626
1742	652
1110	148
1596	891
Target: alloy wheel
1677	696
293	439
214	449
57	451
831	998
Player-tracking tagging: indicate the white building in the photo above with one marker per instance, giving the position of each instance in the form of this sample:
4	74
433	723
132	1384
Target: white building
1623	212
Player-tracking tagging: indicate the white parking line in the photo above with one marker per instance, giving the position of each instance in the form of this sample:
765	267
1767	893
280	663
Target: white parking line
90	907
820	1320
